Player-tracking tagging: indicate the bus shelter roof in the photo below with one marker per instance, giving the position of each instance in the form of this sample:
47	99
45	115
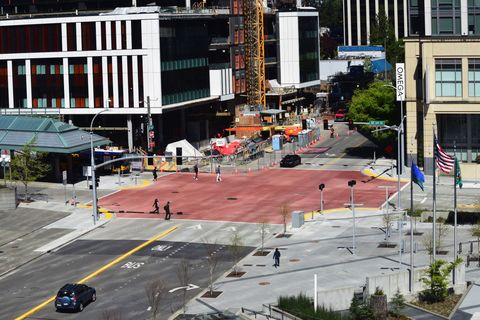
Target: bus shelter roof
48	134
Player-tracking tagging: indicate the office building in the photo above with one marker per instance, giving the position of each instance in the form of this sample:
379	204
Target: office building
443	83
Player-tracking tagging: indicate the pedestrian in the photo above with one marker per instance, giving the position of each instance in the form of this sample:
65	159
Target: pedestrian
332	132
167	210
219	175
156	207
154	172
276	257
195	169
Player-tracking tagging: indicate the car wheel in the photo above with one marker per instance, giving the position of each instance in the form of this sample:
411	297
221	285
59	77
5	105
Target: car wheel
94	296
80	307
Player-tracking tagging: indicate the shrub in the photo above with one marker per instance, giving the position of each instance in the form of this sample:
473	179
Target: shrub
436	280
302	306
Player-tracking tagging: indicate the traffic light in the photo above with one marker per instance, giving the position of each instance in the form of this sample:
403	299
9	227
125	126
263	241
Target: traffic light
350	125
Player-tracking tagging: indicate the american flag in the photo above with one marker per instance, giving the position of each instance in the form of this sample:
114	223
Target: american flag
444	161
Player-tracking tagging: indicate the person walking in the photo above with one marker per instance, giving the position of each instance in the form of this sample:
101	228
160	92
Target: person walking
219	175
332	132
276	257
156	206
195	169
167	210
154	172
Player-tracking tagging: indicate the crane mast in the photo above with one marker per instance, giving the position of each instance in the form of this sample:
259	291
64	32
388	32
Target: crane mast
255	53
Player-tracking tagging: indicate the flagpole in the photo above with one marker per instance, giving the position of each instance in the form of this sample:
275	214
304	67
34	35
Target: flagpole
411	226
455	173
434	247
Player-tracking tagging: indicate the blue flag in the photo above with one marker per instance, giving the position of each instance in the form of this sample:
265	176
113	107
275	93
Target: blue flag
417	176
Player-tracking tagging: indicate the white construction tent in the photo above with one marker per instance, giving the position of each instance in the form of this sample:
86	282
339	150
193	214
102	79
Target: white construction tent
187	149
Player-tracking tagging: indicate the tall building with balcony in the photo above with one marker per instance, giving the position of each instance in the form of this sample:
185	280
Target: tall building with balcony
187	62
443	82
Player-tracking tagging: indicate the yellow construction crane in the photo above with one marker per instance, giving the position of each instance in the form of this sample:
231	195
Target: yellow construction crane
255	53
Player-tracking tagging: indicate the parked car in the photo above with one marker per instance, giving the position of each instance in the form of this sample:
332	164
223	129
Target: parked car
290	160
74	297
341	115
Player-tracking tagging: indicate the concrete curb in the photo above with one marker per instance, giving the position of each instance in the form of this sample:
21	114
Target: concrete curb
425	310
460	301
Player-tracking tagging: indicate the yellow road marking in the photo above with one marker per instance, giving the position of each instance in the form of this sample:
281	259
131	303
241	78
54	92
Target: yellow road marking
370	173
306	215
144	184
333	161
97	272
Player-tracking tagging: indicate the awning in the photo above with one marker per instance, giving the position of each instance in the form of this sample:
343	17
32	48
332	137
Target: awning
293	100
49	135
379	65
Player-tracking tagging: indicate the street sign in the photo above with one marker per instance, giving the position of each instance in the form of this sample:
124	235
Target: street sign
400	81
64	177
376	123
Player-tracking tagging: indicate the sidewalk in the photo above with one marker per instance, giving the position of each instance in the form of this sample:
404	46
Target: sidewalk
318	247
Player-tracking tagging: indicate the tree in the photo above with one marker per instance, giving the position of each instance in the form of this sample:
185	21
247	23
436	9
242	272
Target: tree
475	232
427	241
154	291
442	231
284	211
387	223
416	213
236	245
360	311
382	33
377	102
28	165
263	233
397	303
436	280
183	275
212	261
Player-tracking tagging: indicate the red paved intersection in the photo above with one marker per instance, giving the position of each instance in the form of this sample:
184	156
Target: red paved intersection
251	197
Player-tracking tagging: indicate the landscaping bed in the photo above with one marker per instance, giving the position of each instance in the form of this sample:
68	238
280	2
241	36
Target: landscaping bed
443	308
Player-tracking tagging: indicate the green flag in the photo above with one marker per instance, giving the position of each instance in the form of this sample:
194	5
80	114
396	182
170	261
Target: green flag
458	174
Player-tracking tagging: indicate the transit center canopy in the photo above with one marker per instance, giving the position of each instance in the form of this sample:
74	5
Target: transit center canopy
49	135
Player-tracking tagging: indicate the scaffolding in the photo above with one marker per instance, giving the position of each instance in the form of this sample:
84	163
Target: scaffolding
255	53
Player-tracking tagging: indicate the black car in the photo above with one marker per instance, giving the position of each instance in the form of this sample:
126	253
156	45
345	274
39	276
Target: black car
290	160
74	297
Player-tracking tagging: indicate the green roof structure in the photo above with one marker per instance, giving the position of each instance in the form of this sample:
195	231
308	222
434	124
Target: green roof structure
50	135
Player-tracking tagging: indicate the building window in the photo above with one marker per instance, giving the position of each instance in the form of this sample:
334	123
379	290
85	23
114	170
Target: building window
448	78
446	17
474	77
21	70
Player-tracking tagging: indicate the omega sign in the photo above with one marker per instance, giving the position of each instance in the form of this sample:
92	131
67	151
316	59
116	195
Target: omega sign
400	77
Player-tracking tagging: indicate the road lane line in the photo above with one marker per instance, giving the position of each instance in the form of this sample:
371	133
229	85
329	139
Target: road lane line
97	272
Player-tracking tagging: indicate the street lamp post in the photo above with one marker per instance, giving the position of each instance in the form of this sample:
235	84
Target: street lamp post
92	166
351	184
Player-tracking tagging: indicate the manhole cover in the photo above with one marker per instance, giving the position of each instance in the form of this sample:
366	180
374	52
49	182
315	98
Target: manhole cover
294	260
345	165
335	226
14	247
264	283
232	198
1	251
175	192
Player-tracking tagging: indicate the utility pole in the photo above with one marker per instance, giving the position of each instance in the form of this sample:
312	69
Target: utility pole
150	131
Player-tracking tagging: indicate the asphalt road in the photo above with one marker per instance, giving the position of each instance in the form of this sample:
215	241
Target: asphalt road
121	288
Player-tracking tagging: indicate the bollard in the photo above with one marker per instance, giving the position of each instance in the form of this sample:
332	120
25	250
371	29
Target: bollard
460	247
471	248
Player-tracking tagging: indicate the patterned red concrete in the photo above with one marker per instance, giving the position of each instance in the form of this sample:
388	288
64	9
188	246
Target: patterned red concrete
249	197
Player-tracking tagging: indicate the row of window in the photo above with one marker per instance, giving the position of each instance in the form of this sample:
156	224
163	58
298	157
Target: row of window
185	96
56	103
448	77
54	69
184	64
48	37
